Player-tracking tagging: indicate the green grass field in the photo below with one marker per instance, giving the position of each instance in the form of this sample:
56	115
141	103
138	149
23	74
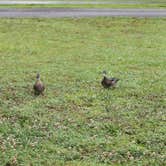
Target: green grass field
77	122
113	4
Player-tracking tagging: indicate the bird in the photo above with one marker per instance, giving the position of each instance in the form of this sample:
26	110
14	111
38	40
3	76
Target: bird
108	82
38	86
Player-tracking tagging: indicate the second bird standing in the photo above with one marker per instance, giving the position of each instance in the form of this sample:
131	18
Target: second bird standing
108	82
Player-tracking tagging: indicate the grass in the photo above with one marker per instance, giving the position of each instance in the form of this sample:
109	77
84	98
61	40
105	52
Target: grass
156	5
77	122
115	4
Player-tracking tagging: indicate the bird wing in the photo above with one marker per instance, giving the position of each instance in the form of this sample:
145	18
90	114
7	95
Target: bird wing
39	86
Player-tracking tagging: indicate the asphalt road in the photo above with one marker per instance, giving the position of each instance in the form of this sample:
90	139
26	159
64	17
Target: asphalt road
26	2
62	12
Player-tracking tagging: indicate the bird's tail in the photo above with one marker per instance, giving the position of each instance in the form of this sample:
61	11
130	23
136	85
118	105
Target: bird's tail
117	79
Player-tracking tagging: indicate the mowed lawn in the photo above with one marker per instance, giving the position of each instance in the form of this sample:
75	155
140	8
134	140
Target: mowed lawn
77	122
88	4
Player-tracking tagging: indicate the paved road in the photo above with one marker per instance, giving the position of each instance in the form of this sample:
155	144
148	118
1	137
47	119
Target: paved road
61	12
11	2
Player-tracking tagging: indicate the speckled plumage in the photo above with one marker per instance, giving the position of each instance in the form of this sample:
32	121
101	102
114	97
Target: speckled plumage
38	86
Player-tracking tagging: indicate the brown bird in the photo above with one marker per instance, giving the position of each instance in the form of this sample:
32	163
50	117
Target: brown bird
38	86
108	82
